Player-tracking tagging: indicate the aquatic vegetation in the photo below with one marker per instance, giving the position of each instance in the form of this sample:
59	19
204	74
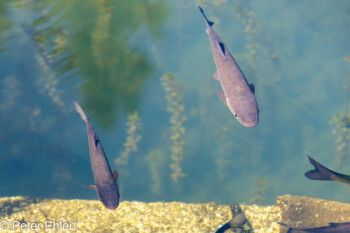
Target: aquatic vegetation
347	58
251	28
259	191
341	128
111	69
34	119
5	23
177	119
132	139
47	81
156	162
223	158
10	94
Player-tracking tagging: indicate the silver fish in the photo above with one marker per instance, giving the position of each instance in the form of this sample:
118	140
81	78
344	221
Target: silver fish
237	94
105	181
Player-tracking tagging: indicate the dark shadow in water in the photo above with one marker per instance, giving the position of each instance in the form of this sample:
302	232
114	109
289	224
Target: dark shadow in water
13	206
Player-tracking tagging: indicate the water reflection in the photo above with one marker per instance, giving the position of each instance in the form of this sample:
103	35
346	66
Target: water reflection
58	46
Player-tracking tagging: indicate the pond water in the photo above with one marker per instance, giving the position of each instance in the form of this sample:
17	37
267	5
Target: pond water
142	71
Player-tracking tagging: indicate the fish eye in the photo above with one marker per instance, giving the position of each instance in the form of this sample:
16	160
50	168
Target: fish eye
236	115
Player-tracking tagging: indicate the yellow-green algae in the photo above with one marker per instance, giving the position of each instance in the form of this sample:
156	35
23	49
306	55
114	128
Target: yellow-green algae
92	216
133	216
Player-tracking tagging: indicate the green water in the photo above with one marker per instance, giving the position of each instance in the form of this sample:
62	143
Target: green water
110	56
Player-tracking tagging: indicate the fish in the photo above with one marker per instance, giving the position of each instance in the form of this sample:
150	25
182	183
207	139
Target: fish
106	185
238	221
322	173
236	93
331	228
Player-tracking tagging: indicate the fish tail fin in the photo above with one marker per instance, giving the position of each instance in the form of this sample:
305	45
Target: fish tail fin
205	17
320	172
80	111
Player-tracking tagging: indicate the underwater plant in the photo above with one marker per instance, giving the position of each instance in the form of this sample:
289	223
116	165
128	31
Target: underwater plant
177	119
156	162
5	23
132	139
111	70
223	158
10	93
259	191
341	128
48	57
251	28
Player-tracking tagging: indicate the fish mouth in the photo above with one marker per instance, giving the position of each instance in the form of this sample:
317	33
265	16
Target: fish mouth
111	205
250	123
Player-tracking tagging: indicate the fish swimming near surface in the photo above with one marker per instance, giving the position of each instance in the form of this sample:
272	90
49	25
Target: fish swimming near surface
236	93
331	228
105	181
322	173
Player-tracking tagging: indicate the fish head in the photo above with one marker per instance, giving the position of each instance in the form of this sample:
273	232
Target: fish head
249	119
247	114
109	196
109	203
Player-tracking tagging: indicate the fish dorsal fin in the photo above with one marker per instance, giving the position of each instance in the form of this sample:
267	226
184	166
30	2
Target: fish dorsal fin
222	47
222	96
252	88
115	175
93	187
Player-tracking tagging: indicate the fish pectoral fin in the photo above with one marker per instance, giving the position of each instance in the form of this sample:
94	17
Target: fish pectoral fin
222	48
93	187
222	96
216	76
115	175
252	88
